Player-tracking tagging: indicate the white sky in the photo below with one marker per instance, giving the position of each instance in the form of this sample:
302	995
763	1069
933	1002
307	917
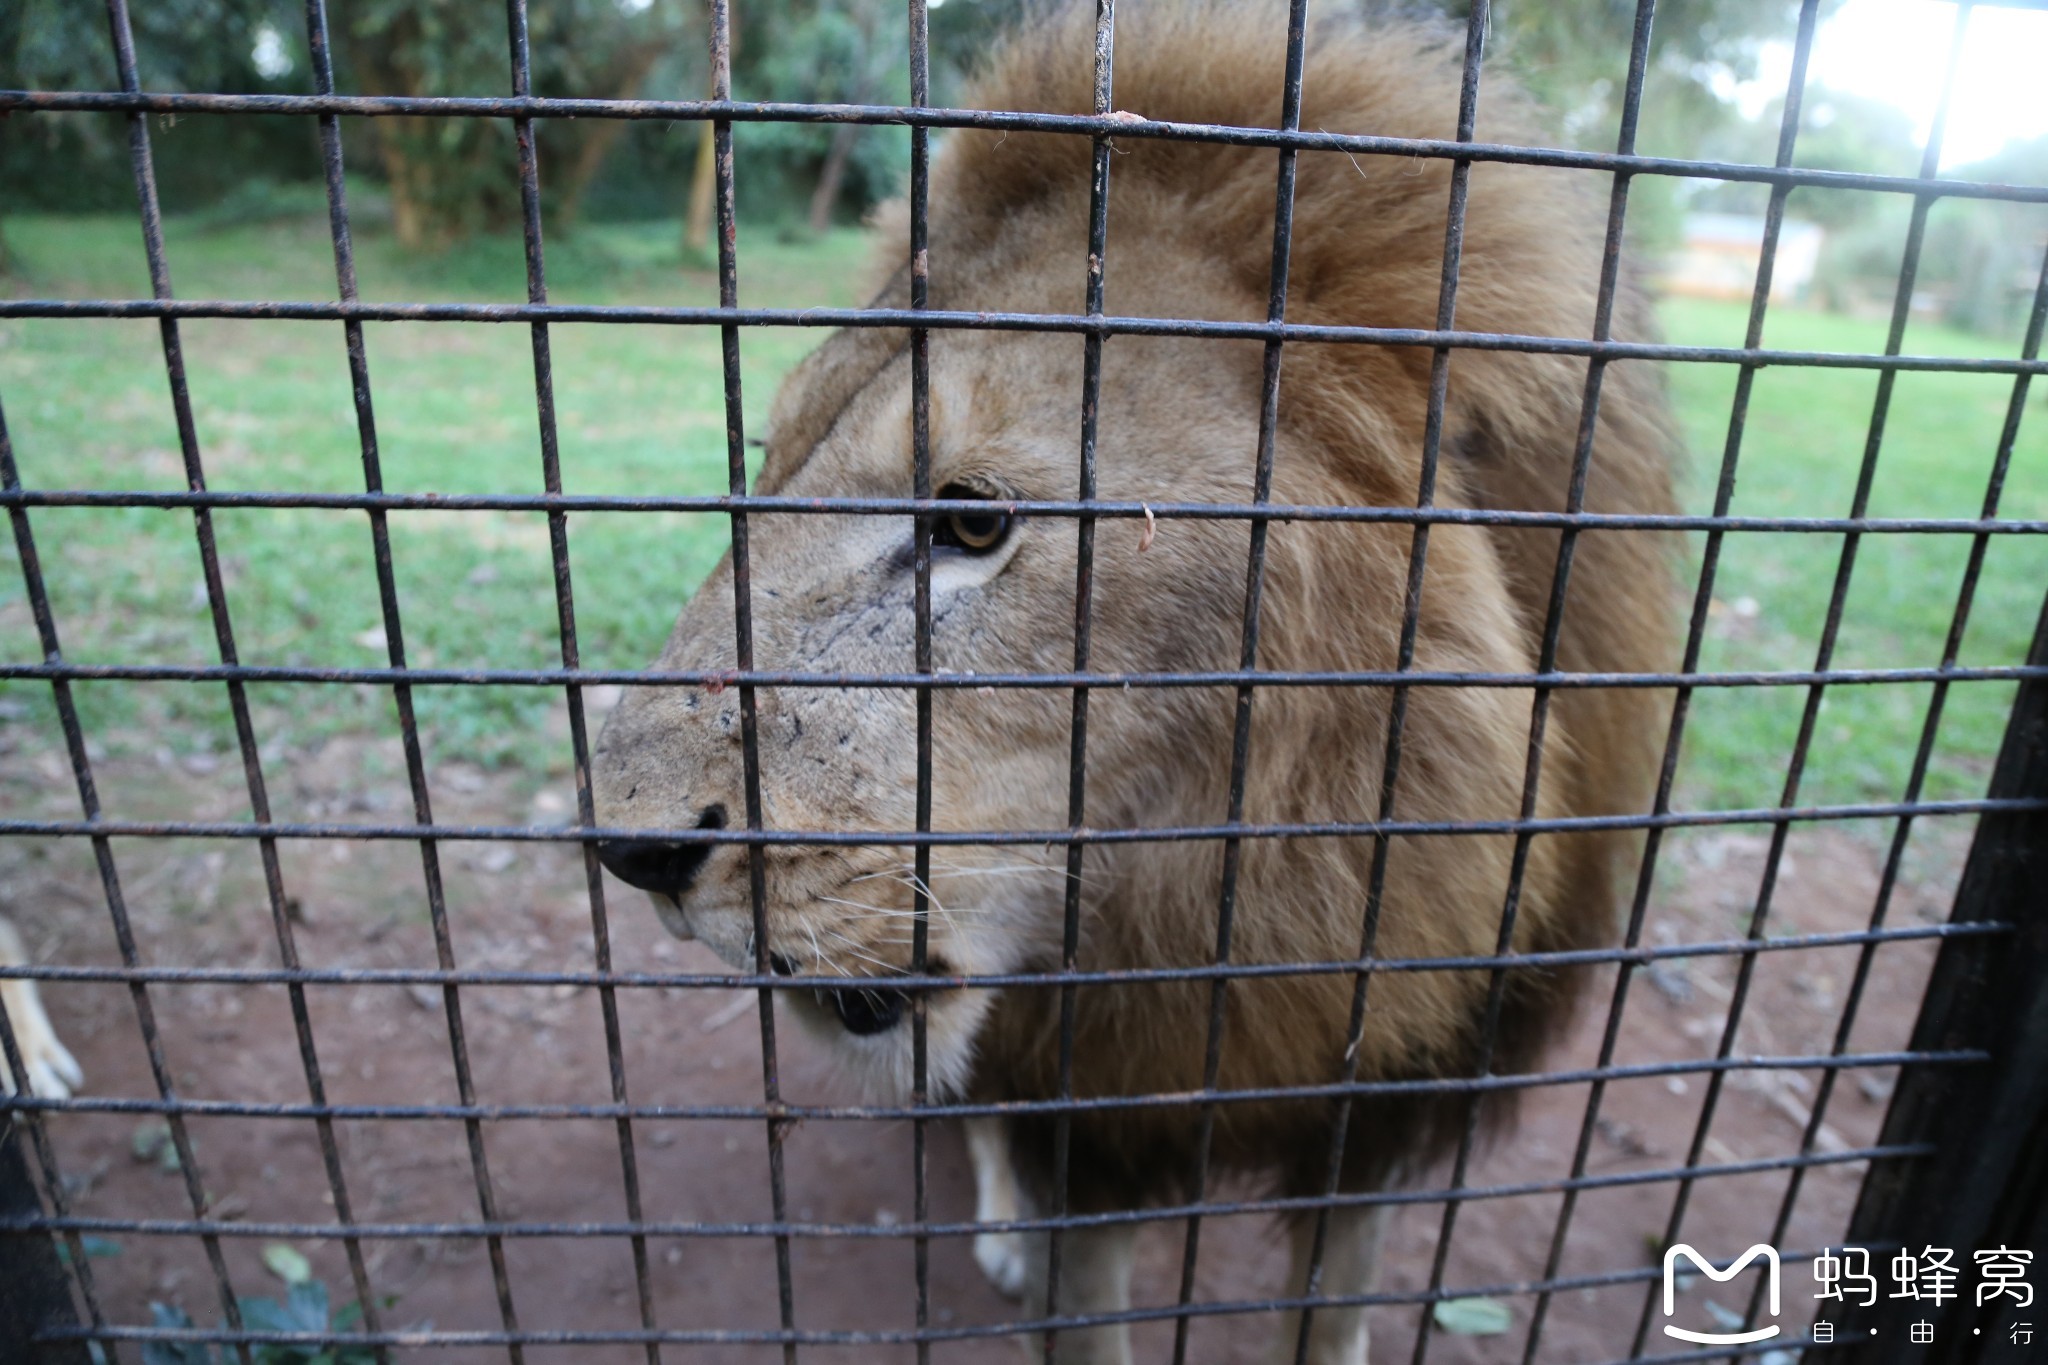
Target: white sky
1896	50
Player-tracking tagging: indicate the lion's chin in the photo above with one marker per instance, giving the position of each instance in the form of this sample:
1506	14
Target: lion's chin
866	1023
871	1044
670	912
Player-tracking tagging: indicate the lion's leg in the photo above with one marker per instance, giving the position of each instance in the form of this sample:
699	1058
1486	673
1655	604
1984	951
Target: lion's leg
997	1199
1351	1262
1095	1277
52	1071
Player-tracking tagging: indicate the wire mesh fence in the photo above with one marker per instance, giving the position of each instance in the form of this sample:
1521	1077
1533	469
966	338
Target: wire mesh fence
616	1128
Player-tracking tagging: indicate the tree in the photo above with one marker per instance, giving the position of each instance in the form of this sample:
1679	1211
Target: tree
77	160
1573	55
1988	252
452	177
870	62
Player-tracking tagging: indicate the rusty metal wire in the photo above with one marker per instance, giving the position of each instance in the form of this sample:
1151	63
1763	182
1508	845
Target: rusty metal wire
1099	328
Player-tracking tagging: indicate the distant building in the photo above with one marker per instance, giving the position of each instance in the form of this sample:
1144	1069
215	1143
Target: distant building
1720	252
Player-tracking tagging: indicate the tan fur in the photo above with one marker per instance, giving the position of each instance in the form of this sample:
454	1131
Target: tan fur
52	1071
1190	235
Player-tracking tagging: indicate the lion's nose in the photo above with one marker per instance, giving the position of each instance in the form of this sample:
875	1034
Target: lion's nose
663	866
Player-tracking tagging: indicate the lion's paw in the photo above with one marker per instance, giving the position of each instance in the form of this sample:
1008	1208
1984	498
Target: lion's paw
53	1072
1001	1257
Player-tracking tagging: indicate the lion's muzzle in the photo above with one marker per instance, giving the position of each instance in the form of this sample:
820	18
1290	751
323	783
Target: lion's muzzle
664	867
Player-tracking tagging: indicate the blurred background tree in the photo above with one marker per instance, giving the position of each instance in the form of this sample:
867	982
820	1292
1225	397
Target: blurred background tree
79	162
435	182
449	178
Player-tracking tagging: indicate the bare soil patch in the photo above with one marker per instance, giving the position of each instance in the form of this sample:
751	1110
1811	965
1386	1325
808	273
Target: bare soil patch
525	907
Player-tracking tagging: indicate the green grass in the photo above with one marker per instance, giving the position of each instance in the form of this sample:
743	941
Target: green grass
1802	448
640	409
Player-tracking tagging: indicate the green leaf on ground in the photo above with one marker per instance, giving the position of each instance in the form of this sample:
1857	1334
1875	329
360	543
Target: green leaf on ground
287	1263
1473	1317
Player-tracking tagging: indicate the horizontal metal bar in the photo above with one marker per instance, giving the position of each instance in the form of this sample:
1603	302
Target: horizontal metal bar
719	679
839	838
277	310
1794	1346
712	1336
1447	1085
1049	507
427	976
1121	124
183	1227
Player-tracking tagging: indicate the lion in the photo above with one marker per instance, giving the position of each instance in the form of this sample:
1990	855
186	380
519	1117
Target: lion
1191	232
52	1071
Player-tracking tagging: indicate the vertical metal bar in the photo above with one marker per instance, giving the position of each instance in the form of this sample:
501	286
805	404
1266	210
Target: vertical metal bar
321	51
67	713
144	170
1084	610
565	618
1923	753
1411	614
320	43
1575	497
1724	494
1248	644
921	571
224	639
1902	304
743	644
1990	1121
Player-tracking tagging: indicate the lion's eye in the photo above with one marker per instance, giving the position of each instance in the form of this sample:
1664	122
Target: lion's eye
977	532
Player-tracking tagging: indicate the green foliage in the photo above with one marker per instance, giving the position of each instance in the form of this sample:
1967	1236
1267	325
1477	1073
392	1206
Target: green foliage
1981	258
80	160
1573	55
174	1352
95	1248
179	44
1988	253
304	1309
851	54
451	178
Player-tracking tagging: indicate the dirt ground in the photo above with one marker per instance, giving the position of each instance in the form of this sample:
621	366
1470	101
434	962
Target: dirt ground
524	907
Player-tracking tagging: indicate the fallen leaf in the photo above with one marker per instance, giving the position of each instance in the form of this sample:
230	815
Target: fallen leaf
287	1263
1475	1317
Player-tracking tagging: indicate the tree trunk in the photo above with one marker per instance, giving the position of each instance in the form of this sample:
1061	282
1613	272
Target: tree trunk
703	186
704	182
832	175
596	137
408	215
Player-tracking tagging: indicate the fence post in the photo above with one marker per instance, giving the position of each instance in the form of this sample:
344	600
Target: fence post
35	1293
1986	1186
